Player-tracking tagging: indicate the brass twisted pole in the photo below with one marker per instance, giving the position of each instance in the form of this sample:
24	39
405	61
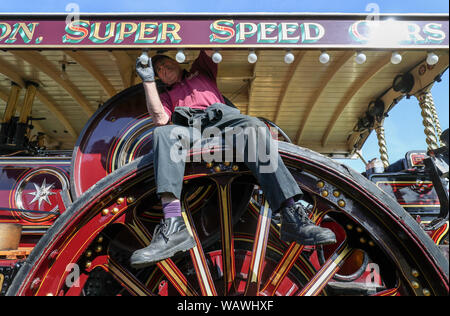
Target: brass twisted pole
425	100
433	110
382	146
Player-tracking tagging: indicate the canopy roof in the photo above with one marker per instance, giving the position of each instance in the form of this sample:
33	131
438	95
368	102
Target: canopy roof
80	65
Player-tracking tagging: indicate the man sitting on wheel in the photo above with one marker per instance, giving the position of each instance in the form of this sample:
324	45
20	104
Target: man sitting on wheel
193	97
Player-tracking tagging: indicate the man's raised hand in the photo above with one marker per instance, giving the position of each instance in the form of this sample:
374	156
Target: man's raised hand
145	72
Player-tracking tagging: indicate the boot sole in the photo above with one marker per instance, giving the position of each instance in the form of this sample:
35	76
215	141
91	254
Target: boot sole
307	242
169	253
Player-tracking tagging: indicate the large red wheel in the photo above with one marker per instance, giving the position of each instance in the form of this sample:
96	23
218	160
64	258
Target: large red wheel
238	249
120	131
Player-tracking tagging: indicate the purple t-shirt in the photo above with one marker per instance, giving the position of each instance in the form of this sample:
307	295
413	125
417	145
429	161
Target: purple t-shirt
198	88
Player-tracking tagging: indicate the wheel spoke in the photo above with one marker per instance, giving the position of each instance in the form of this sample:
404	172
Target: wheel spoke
289	258
259	250
198	256
327	271
225	208
282	269
136	227
176	277
127	280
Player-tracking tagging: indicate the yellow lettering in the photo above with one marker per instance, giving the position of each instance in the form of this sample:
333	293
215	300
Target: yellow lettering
170	30
109	31
147	27
5	30
287	29
245	30
267	28
23	30
123	30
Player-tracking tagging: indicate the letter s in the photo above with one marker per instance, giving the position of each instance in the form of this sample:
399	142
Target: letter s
226	31
76	28
434	33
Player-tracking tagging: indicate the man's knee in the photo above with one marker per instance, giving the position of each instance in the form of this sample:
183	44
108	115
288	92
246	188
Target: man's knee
162	130
259	127
158	131
170	132
252	122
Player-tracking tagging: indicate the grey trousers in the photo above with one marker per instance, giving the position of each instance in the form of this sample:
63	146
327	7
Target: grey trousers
248	136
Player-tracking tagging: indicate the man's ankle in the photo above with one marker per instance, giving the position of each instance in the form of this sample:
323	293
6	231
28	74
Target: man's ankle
289	202
171	205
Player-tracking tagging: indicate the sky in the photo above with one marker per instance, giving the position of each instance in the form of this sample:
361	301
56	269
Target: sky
352	6
404	129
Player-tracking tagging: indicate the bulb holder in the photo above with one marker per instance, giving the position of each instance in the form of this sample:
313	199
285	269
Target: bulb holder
180	57
324	58
143	59
217	57
432	59
289	58
252	57
396	58
360	58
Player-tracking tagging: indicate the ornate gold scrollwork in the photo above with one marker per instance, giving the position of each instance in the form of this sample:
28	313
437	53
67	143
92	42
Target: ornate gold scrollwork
2	278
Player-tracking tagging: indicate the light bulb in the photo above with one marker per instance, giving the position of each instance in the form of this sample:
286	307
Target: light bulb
396	58
217	57
143	59
432	59
324	58
360	58
289	58
180	56
252	57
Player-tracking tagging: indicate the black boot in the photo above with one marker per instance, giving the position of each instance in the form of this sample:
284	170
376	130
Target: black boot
297	227
170	237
